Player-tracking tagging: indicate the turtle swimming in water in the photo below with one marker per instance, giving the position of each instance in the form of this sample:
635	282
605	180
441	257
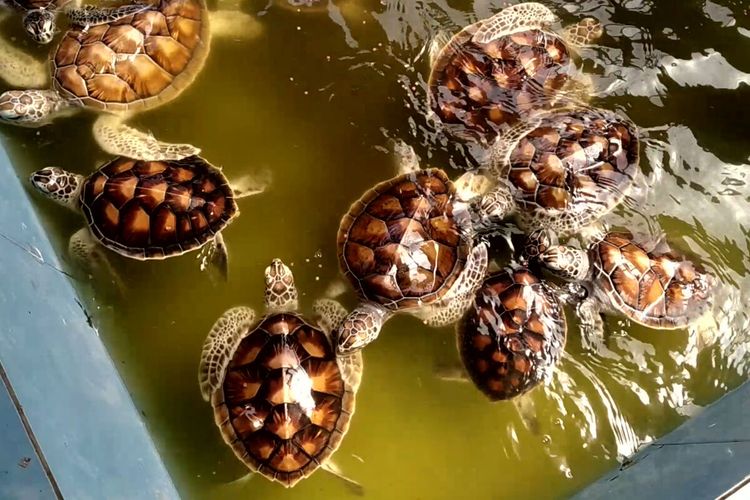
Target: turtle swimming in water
639	278
148	210
409	245
563	170
40	16
118	62
498	71
281	397
513	334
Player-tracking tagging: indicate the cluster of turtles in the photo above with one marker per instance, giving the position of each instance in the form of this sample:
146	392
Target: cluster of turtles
283	386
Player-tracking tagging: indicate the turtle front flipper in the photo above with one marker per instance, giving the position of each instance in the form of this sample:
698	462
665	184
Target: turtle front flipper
118	139
520	17
585	32
592	324
449	309
360	327
234	24
330	314
91	257
19	69
90	15
220	345
437	44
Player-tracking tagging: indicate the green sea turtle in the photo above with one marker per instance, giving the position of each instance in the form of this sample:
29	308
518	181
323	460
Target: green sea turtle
409	245
639	278
281	397
118	62
498	71
563	170
148	210
513	334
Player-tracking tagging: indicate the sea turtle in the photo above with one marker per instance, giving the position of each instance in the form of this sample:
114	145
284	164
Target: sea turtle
148	210
513	334
39	16
636	276
563	169
408	244
281	396
119	62
499	70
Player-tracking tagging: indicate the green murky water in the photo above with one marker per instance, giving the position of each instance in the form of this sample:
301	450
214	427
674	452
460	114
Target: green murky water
313	100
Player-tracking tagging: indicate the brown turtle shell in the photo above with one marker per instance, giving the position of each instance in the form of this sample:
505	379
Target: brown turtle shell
479	90
402	244
284	405
577	163
157	209
137	62
656	289
513	334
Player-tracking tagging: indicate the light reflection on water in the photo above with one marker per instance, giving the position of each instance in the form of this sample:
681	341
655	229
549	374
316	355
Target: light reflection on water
315	101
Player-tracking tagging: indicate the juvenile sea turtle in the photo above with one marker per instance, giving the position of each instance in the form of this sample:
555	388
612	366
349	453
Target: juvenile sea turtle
563	170
147	210
39	16
513	334
119	62
281	396
639	278
499	70
408	244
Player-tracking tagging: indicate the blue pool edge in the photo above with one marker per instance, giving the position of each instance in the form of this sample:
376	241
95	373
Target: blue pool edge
75	424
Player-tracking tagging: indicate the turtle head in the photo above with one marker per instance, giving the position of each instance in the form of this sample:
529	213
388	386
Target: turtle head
585	32
542	248
281	292
30	108
40	25
55	183
537	243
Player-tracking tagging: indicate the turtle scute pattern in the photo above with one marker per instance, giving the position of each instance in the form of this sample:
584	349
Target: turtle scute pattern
580	162
656	289
284	405
402	244
513	334
139	61
479	90
154	209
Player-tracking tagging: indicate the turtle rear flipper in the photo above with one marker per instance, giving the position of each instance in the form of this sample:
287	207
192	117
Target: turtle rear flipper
220	346
89	255
116	138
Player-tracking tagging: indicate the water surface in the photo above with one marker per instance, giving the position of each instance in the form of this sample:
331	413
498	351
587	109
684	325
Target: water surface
314	101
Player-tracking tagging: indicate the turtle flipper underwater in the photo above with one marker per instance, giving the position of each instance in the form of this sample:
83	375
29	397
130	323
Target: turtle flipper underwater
127	81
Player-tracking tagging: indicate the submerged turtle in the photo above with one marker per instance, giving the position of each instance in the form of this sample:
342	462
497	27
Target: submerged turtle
513	334
120	62
281	397
649	284
564	170
39	16
499	70
147	210
408	244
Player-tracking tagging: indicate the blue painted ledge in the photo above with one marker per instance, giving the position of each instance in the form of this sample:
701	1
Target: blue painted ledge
76	413
705	457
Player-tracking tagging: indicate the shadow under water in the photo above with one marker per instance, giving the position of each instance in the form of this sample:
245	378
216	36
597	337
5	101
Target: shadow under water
315	100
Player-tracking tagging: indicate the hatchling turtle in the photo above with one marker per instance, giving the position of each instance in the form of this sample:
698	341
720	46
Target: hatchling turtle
563	170
148	210
513	334
118	62
645	281
408	244
500	70
281	396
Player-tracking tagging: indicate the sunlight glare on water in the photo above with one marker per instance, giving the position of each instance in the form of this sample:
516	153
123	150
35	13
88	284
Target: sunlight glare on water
314	102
